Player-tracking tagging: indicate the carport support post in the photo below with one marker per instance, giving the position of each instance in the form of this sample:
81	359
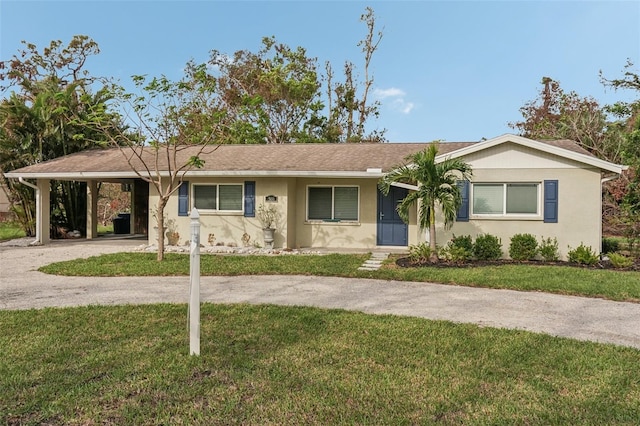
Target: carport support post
194	291
92	209
43	209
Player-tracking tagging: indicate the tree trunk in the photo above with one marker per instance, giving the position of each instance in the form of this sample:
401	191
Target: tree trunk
23	206
433	256
160	219
73	198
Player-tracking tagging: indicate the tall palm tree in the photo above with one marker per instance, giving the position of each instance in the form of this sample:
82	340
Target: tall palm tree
437	184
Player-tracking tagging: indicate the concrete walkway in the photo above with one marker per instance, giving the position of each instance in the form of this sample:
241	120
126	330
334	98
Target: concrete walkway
22	287
374	262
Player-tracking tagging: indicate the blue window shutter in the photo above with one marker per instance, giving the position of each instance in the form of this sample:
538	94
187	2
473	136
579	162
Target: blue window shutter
183	199
551	201
463	211
249	199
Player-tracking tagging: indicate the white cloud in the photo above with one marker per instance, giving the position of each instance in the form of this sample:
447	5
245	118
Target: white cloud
406	107
388	93
398	101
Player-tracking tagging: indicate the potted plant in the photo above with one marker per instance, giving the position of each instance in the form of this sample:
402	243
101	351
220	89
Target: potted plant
268	217
169	229
173	237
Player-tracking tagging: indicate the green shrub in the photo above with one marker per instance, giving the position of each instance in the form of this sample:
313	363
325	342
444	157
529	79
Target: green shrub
462	241
610	245
523	247
419	253
487	247
548	249
458	249
583	255
454	253
619	260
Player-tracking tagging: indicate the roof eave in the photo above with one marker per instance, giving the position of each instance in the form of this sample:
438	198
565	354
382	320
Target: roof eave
83	176
80	176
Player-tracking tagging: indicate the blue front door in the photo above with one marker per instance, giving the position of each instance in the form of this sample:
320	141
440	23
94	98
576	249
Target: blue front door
392	231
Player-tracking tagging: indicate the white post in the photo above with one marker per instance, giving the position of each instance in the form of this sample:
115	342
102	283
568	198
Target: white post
194	291
43	213
92	209
38	239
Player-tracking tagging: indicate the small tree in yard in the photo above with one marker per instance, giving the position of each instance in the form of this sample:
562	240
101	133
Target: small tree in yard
437	184
165	119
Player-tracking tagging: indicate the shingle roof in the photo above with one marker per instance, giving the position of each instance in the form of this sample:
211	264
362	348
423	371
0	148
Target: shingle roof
253	158
290	159
567	144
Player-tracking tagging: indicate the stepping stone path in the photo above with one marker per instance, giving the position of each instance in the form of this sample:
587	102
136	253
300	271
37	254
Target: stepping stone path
374	262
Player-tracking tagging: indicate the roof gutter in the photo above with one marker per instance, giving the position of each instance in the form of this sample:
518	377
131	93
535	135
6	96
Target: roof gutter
406	186
612	176
609	178
38	239
83	176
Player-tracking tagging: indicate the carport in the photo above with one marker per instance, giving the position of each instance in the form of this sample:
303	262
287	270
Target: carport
91	167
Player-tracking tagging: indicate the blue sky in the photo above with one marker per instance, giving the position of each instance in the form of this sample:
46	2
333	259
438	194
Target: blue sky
450	70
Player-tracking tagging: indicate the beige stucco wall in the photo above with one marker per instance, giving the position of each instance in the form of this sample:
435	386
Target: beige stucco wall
579	191
579	209
361	234
228	228
293	230
355	235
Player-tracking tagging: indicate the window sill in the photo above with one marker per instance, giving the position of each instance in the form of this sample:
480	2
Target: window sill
218	213
333	222
511	217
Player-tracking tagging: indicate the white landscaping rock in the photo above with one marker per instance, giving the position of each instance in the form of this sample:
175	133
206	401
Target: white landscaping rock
229	250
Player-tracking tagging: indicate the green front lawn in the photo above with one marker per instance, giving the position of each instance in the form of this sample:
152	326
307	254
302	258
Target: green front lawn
129	365
10	230
609	284
145	264
105	229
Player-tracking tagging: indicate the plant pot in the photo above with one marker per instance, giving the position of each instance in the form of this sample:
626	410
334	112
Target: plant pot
268	234
173	238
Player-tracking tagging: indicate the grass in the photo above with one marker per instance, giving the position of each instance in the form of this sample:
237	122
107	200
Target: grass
105	229
288	365
568	280
10	230
145	264
609	284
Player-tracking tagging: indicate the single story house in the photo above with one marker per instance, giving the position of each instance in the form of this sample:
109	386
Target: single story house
327	194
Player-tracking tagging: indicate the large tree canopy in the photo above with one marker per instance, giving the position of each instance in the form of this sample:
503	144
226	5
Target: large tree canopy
276	95
628	122
610	132
44	117
556	114
268	95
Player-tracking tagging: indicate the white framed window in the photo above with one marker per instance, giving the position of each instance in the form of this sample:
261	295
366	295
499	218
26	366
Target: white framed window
218	197
506	199
333	203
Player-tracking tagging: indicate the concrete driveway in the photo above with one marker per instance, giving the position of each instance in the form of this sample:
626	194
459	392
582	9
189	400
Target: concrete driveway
22	287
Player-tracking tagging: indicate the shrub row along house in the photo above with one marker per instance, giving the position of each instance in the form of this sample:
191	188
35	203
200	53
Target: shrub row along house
328	197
